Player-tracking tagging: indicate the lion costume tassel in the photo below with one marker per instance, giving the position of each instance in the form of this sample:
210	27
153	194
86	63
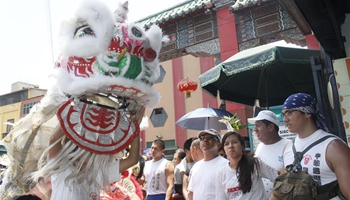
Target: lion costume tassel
104	78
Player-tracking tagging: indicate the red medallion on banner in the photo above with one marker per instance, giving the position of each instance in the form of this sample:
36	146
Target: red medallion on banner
97	129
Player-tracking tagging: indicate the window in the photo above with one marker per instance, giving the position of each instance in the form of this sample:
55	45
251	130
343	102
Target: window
28	106
158	117
8	127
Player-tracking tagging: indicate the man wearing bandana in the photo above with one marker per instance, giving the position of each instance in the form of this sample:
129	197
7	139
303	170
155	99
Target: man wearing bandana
327	161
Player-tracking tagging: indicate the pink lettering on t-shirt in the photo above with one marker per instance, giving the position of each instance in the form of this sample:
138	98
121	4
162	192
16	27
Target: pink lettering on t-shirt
233	189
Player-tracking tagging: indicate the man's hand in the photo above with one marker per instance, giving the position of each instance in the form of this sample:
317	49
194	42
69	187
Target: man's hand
133	157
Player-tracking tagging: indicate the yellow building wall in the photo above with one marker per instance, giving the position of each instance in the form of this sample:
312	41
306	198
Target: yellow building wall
11	111
167	102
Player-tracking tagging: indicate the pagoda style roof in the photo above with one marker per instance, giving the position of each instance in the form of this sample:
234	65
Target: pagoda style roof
243	4
175	12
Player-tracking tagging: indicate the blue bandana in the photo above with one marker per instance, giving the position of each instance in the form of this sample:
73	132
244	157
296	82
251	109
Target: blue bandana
307	104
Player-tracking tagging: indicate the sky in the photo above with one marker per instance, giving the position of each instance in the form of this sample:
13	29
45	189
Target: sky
28	50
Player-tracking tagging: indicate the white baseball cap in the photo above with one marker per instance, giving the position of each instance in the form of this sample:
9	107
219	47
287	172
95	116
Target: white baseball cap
265	114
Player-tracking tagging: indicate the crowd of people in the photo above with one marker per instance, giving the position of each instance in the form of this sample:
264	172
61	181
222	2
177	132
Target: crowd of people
199	171
213	166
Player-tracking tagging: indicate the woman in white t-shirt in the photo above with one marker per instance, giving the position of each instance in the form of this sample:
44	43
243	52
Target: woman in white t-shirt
241	177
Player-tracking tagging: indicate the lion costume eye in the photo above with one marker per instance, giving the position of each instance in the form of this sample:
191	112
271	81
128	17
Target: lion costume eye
82	31
136	32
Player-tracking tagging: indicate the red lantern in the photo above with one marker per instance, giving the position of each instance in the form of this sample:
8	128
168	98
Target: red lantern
187	86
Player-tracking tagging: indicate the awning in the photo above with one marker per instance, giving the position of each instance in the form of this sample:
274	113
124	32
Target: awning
268	73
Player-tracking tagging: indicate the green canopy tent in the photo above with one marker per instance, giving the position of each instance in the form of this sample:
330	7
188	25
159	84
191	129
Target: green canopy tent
267	73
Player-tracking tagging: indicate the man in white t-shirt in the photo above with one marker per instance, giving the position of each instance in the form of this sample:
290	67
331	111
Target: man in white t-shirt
202	175
159	173
326	162
271	146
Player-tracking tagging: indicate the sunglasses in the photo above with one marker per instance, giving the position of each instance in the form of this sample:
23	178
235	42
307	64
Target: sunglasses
207	137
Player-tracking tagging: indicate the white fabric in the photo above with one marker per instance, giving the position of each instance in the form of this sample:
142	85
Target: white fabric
182	168
155	176
314	160
202	178
271	154
227	185
83	191
178	178
182	165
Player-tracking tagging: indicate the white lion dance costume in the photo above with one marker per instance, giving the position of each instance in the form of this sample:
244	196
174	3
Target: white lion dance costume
104	75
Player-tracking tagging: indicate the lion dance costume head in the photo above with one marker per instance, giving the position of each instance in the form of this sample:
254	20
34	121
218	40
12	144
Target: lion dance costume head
103	76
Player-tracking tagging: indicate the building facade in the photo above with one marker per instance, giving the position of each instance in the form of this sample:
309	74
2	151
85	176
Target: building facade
17	104
203	33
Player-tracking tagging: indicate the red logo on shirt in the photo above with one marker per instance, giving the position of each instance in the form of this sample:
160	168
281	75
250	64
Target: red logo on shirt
233	189
307	158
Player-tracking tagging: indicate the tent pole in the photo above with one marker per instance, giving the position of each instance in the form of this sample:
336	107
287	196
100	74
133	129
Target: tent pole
206	127
267	96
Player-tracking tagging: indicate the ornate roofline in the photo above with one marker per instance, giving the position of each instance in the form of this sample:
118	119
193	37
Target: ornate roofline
176	12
